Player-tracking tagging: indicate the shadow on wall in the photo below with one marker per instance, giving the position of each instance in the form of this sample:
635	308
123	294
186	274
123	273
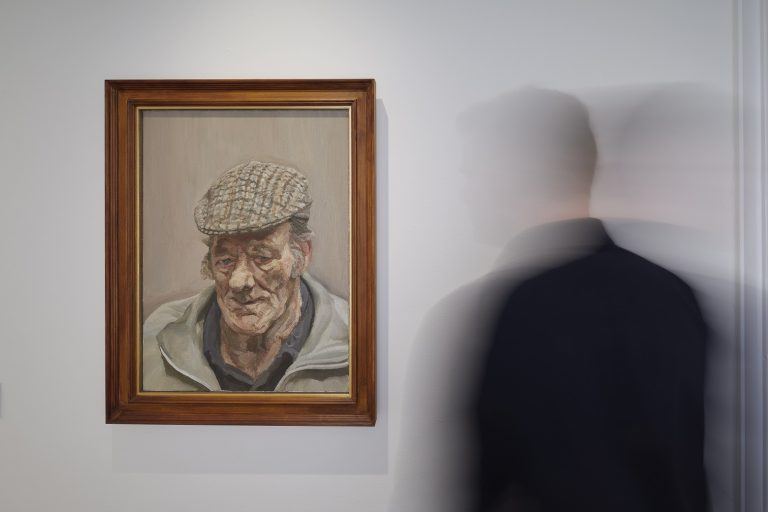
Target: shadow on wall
170	449
664	188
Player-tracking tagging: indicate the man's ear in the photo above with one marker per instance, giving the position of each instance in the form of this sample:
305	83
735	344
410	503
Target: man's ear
302	251
206	269
306	250
205	266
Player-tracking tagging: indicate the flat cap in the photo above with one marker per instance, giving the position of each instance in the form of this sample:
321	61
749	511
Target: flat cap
251	197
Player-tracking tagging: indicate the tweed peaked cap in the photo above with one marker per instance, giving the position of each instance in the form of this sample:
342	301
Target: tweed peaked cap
253	196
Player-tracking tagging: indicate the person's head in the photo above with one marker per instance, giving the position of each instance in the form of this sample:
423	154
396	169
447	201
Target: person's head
255	217
529	154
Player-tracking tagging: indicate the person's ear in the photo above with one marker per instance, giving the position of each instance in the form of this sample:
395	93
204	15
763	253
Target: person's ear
206	267
306	250
302	251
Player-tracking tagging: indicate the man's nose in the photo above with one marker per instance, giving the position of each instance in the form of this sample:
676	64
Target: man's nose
242	277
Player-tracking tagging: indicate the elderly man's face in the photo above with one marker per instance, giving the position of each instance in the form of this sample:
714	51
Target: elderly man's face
254	274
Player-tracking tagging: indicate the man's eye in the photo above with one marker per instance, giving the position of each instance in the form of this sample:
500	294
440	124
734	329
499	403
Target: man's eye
226	261
261	260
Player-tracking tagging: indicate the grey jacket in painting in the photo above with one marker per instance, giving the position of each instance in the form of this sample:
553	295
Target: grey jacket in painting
173	358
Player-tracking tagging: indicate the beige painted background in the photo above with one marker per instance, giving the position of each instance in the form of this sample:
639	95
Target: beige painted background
184	151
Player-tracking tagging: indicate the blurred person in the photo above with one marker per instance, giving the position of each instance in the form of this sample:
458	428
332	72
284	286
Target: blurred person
590	396
569	377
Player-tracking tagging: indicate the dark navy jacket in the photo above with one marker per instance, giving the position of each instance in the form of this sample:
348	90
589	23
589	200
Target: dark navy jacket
591	396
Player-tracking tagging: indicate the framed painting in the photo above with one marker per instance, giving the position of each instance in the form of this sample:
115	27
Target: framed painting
240	252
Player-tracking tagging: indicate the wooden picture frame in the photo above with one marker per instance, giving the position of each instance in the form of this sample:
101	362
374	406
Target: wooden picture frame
132	108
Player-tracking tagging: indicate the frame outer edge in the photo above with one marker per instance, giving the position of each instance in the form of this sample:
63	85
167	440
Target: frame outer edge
111	251
372	237
361	412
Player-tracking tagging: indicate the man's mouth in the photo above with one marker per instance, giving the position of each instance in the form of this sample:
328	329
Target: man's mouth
248	301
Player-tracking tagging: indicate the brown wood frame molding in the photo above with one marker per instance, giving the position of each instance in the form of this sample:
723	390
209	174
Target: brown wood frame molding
125	402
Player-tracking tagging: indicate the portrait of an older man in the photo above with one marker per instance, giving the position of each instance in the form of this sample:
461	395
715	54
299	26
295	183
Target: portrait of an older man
264	324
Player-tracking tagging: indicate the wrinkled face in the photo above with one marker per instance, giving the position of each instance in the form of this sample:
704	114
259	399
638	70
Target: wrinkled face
255	274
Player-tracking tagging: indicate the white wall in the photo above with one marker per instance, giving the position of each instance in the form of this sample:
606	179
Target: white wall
431	60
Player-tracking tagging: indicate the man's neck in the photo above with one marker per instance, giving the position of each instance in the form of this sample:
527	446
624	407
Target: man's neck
574	207
253	355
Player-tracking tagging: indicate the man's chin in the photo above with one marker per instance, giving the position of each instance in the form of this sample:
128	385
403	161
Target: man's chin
243	322
249	329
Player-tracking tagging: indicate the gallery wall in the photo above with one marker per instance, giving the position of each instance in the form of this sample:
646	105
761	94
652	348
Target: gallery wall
432	62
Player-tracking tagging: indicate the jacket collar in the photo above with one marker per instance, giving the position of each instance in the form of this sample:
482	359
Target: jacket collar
327	346
181	342
554	243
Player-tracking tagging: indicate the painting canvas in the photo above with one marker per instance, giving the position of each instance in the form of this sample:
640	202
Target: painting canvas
252	240
245	237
